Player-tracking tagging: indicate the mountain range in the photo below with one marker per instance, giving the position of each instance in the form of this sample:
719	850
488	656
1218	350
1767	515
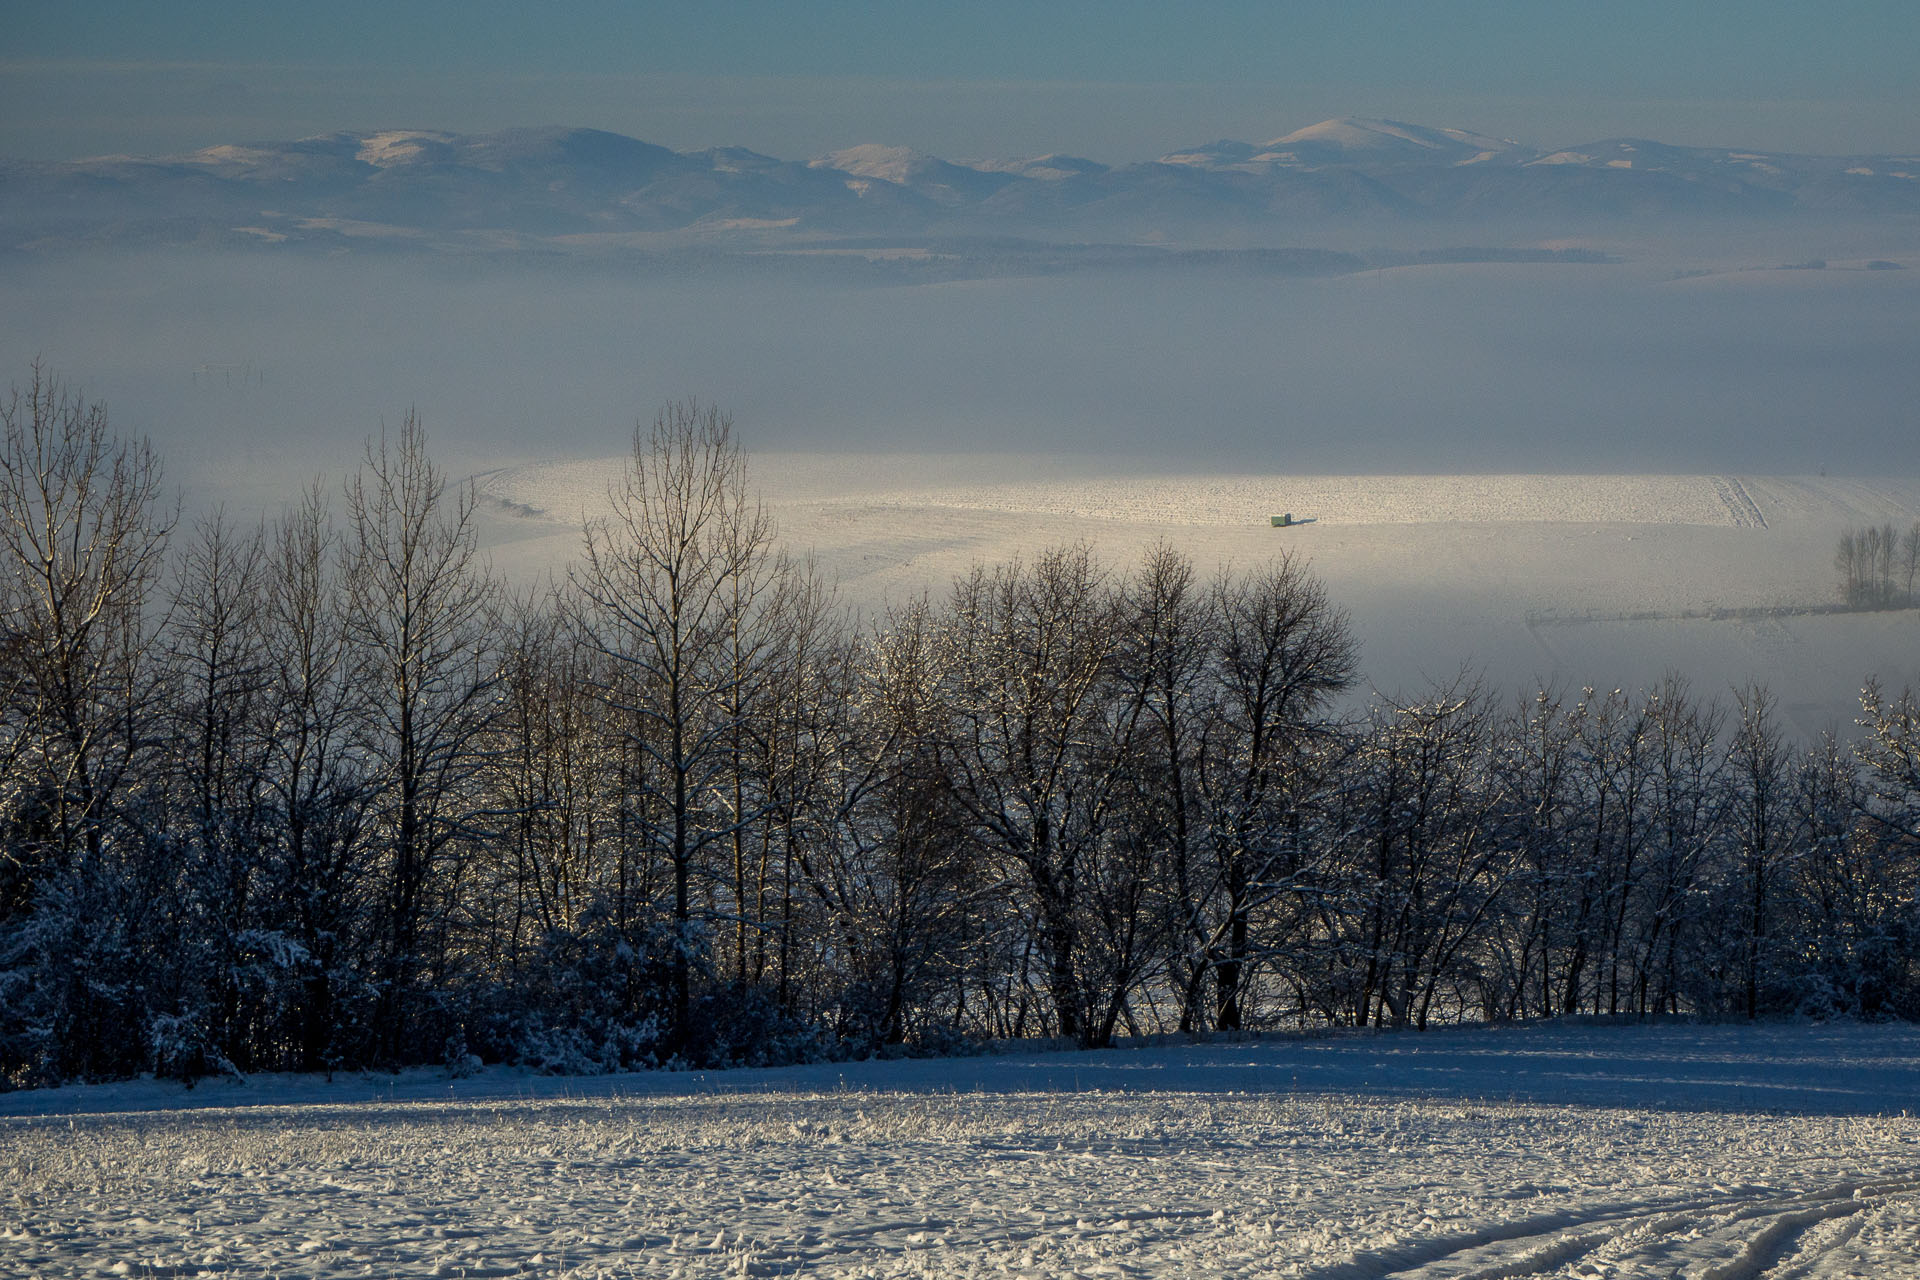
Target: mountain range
575	190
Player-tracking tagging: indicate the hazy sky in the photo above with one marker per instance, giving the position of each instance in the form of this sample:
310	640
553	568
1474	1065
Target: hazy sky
1548	368
1114	79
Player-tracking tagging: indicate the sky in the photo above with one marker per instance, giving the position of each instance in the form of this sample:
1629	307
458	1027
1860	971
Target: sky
1116	80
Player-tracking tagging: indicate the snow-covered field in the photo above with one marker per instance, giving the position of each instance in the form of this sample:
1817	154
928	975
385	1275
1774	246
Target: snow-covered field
1608	580
1570	1151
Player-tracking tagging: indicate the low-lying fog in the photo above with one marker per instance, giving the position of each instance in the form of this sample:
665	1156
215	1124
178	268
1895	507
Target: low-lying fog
1555	368
253	372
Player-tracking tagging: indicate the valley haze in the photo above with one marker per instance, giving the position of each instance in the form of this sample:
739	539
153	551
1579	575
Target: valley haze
1359	297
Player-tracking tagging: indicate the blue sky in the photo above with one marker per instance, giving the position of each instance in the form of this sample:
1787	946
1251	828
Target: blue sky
1118	80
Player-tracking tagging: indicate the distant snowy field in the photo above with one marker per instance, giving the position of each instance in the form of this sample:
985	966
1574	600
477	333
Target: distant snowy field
1549	1151
1609	580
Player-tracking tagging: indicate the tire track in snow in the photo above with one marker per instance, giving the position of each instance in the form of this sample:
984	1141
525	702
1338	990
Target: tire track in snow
1524	1247
1714	1238
1819	1241
1739	503
1788	1241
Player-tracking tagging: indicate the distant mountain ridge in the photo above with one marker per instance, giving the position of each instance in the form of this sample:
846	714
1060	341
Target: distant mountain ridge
571	189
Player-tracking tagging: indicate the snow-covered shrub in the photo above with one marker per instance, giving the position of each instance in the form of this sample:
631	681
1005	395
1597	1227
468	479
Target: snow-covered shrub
944	1039
182	1048
589	1001
28	1049
460	1061
559	1051
742	1025
75	974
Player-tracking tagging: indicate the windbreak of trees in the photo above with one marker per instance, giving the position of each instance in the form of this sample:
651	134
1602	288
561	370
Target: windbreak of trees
323	794
1879	566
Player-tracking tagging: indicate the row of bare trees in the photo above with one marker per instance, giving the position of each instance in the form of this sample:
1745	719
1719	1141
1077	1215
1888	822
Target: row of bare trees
324	794
1878	566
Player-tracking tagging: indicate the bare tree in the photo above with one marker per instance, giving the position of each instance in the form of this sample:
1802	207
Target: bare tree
419	608
1414	892
1282	652
1910	560
798	725
1537	751
1886	550
1762	792
82	540
1615	778
318	780
1875	562
672	579
1686	813
1846	563
1034	763
551	770
222	816
1162	662
902	899
1890	750
1850	908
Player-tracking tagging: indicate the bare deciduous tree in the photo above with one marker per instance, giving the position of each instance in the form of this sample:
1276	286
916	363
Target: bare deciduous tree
317	776
1282	652
1910	560
1761	790
1034	764
419	607
82	538
673	578
1162	663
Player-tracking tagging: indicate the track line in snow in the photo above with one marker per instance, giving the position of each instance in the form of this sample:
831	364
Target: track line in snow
1706	1239
1815	1244
1739	503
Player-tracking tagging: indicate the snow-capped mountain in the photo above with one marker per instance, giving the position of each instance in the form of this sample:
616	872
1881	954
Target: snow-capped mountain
942	183
1352	140
1052	167
1355	141
570	188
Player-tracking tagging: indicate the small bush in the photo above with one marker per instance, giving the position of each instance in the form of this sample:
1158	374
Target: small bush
182	1049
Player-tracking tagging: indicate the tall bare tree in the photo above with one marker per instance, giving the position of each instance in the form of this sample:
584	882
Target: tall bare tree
1162	662
1282	652
419	612
82	539
221	815
1762	787
1034	760
1910	561
674	578
318	778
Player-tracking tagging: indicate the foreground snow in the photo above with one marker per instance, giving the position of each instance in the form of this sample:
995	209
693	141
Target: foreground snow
1718	1152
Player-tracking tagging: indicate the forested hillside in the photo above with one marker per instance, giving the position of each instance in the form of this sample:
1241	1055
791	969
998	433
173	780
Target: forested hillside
324	794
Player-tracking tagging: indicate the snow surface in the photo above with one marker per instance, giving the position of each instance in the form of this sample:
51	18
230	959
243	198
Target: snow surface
1551	1151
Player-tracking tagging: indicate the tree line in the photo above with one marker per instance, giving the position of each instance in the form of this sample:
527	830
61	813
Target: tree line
322	794
1878	566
